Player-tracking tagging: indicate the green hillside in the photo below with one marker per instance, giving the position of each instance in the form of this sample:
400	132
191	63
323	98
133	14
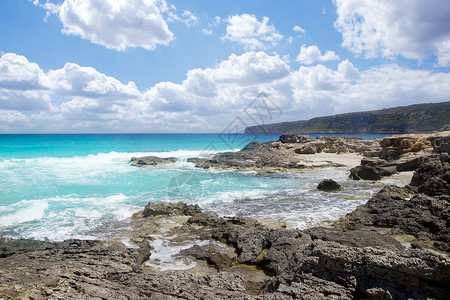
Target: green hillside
418	118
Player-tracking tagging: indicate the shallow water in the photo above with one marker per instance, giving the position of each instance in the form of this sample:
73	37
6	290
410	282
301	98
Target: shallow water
75	186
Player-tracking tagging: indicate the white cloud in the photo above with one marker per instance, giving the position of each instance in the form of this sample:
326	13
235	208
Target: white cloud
207	31
413	29
23	85
253	34
189	18
312	54
86	100
76	81
299	29
116	24
10	117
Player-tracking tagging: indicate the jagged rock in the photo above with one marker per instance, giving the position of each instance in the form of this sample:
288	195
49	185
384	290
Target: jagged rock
151	161
365	173
294	139
441	144
328	185
393	147
430	166
168	209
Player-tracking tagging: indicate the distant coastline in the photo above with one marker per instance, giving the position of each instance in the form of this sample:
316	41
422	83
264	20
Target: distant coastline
419	118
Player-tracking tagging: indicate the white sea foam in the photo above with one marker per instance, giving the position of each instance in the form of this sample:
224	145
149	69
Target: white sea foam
23	211
165	254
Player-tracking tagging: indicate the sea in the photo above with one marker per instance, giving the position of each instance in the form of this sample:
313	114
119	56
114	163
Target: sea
62	186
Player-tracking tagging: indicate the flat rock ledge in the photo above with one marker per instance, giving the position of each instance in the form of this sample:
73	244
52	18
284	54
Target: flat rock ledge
151	161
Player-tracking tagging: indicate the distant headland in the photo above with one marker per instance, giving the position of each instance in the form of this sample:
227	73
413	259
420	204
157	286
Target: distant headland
418	118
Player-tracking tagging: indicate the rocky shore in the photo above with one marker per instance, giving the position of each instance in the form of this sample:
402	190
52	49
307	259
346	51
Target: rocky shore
396	246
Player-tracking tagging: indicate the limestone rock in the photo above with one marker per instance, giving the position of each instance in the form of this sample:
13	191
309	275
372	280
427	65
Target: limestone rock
151	161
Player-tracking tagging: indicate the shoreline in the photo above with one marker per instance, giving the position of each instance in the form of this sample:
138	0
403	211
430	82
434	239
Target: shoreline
393	247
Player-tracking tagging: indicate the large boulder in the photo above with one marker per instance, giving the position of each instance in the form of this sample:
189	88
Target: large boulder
328	185
365	173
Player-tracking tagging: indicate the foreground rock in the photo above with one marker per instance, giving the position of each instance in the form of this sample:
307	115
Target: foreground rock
151	161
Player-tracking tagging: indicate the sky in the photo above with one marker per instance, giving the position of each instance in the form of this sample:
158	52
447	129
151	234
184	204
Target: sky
167	66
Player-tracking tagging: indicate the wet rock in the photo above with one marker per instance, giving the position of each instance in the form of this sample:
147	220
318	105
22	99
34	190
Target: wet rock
365	173
328	185
151	161
168	209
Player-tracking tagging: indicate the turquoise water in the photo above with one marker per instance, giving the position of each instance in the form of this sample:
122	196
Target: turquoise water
55	187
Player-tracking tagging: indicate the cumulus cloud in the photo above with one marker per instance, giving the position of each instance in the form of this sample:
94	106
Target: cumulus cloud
116	24
23	85
85	100
73	80
215	90
412	29
253	34
312	54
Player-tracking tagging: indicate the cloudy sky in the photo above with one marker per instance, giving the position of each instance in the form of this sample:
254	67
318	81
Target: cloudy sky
196	66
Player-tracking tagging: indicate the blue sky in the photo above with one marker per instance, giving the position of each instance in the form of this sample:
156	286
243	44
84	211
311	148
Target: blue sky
198	66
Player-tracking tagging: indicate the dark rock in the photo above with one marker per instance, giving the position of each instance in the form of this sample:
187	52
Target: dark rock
151	161
292	138
328	185
386	171
430	166
441	144
168	209
365	173
408	165
371	161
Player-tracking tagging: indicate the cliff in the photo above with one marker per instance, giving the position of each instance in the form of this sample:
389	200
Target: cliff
419	118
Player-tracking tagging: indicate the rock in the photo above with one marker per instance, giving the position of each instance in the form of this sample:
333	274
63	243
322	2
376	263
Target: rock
365	173
441	144
393	147
151	161
168	209
430	166
250	146
306	150
294	139
372	161
386	170
328	185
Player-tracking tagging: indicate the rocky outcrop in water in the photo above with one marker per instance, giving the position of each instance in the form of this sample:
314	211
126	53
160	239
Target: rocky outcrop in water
151	161
328	185
289	152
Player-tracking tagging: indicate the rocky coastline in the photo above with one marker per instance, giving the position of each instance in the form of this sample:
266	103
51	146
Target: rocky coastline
396	246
